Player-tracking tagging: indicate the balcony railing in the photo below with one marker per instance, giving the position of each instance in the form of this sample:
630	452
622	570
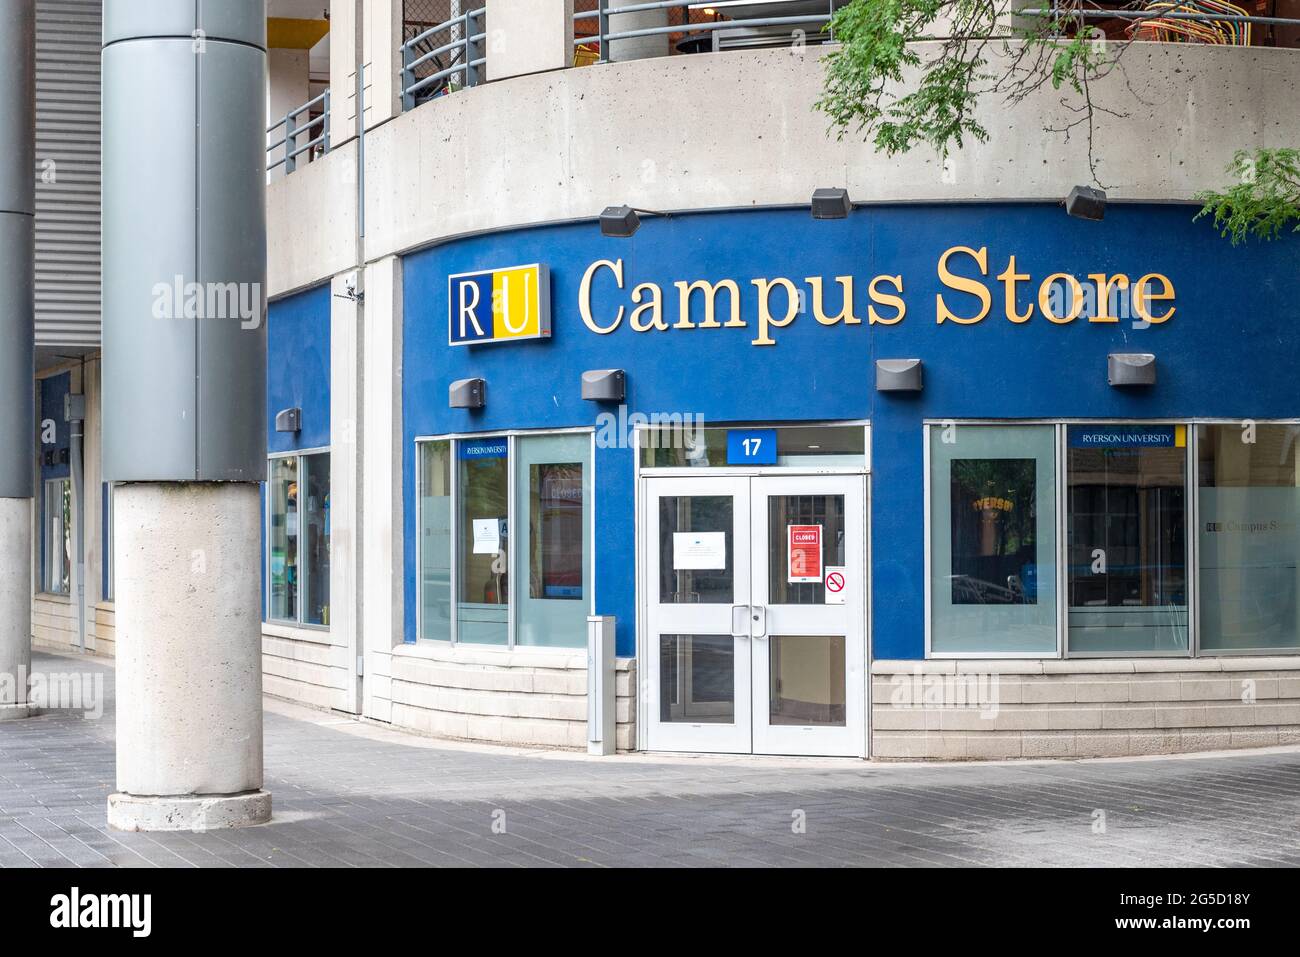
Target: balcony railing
444	58
316	129
733	24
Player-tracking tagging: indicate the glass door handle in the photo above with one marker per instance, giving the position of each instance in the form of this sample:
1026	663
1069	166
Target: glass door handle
740	628
758	618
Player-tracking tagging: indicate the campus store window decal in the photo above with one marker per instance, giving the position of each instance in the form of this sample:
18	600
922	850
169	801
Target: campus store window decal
298	539
504	539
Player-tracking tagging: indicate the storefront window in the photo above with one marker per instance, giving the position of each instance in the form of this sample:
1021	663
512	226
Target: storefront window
58	537
435	540
298	539
1248	491
1127	539
554	488
482	516
316	539
993	539
541	540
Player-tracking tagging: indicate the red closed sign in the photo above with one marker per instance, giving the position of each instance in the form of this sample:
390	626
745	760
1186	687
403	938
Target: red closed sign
804	552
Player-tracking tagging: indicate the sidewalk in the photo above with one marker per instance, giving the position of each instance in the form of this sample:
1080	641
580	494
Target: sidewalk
351	794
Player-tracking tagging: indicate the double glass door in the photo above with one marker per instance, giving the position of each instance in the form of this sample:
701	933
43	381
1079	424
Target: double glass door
755	629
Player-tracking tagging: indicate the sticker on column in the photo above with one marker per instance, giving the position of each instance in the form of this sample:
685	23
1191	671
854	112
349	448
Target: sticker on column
835	583
804	553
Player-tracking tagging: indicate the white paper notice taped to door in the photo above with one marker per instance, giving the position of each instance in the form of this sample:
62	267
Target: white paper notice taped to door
696	551
487	536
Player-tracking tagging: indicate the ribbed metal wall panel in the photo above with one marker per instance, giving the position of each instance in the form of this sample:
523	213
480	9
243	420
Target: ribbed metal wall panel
68	41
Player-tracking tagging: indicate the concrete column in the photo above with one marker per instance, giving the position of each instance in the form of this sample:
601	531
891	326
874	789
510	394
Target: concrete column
17	396
189	666
381	52
184	236
345	49
382	552
15	606
640	48
528	36
346	339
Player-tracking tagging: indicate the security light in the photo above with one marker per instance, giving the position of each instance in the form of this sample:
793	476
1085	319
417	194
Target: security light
467	394
831	203
898	375
1084	202
1131	369
622	222
604	385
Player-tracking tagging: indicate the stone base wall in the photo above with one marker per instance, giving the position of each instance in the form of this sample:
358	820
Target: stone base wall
521	697
968	709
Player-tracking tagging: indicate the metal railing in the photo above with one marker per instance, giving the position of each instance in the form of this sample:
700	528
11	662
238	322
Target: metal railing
805	16
1155	13
317	130
456	63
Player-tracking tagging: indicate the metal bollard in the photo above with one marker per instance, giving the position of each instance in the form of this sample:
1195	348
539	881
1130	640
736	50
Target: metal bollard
600	684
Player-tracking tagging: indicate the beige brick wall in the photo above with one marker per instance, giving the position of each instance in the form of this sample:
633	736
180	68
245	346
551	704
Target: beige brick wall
1036	709
106	630
54	622
304	666
520	697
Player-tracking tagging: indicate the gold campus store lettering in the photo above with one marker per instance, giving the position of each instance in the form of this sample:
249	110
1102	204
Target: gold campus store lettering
969	294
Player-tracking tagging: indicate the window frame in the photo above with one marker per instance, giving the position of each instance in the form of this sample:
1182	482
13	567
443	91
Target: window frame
512	494
267	618
1061	540
1193	556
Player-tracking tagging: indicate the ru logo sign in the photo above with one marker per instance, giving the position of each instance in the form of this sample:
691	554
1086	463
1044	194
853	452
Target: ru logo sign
499	305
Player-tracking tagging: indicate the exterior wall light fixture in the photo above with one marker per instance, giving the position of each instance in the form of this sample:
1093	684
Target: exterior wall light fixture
288	420
467	394
831	203
898	375
622	222
1131	368
604	385
1084	202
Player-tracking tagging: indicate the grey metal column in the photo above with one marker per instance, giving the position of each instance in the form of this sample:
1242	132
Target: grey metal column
184	265
17	325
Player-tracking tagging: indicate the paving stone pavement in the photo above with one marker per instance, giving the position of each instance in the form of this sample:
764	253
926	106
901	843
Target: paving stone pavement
356	795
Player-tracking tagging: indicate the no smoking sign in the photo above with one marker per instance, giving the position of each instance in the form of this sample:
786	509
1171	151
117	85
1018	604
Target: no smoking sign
836	583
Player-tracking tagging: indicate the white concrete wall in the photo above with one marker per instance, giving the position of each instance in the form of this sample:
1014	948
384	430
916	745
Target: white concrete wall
312	222
738	129
520	697
1083	709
